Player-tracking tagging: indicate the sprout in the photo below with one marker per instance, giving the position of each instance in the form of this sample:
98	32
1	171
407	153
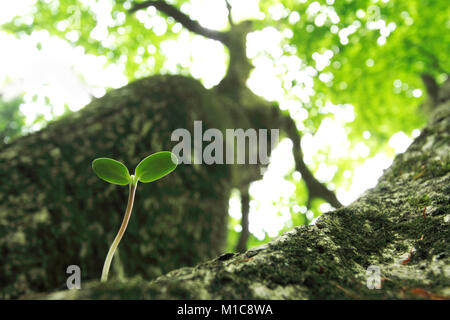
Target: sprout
150	169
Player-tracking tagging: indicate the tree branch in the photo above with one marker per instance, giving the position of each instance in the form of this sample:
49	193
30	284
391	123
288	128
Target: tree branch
316	189
431	86
245	205
182	18
230	18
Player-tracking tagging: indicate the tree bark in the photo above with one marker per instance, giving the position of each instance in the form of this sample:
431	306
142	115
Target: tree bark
54	211
245	232
401	227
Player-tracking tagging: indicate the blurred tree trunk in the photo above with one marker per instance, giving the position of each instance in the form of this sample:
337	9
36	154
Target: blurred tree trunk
54	211
400	228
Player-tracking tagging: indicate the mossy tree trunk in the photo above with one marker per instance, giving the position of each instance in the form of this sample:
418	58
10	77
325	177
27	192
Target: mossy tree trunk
54	211
401	226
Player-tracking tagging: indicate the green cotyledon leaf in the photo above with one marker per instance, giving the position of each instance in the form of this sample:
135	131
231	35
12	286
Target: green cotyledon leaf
156	166
111	171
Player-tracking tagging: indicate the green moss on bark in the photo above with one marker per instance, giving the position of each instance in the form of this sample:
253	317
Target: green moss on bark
54	211
387	227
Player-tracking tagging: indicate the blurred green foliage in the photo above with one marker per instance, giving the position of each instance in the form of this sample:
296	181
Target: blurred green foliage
379	50
12	120
74	21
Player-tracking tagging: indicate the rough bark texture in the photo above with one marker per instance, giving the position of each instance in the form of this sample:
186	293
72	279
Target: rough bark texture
54	211
401	226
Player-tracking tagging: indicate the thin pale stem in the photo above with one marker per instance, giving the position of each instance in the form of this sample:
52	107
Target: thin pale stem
122	229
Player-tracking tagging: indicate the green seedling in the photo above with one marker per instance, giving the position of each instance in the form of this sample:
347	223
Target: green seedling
150	169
